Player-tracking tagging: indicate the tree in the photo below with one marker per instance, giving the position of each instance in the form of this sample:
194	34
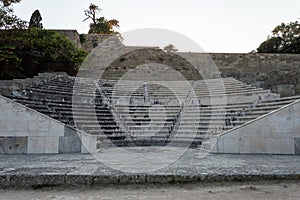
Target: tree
271	45
92	12
31	51
100	25
170	48
10	64
9	2
104	26
35	20
7	18
285	39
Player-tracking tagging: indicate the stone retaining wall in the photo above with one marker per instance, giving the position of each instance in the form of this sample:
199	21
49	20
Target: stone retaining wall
72	35
277	72
25	131
275	133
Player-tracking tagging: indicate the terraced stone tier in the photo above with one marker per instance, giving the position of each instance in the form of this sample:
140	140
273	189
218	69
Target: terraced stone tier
128	113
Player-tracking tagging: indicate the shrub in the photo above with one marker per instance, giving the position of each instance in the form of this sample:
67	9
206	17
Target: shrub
41	50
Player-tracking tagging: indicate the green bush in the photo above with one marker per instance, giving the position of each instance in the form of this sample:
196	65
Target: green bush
82	38
40	51
10	64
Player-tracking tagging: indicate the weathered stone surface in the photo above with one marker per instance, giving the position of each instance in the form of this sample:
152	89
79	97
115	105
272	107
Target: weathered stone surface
78	169
297	146
70	142
27	131
13	145
72	35
277	72
275	133
8	87
79	179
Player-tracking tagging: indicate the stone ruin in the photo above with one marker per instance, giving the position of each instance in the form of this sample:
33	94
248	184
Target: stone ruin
225	112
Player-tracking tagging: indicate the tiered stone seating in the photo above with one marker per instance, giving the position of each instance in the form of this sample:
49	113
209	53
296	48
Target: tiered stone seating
230	90
152	113
199	122
149	125
149	110
136	92
88	112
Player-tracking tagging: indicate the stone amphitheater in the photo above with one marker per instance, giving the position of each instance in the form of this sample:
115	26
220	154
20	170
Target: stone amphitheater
138	104
152	106
43	118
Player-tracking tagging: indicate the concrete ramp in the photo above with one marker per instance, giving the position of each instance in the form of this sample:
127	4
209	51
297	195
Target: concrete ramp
275	133
26	131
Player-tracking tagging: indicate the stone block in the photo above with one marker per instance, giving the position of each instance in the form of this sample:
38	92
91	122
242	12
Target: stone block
286	124
36	145
273	145
13	125
297	146
34	180
51	145
70	144
73	179
56	129
219	147
232	145
245	147
89	143
160	178
13	145
287	145
33	125
9	134
257	145
132	179
297	88
105	179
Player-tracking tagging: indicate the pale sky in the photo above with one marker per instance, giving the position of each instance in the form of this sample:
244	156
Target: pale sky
232	26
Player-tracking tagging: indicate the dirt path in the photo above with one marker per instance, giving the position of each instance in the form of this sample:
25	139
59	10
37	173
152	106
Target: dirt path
286	191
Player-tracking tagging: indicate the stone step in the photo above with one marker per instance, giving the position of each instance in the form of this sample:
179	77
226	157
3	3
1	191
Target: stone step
149	128
156	111
206	145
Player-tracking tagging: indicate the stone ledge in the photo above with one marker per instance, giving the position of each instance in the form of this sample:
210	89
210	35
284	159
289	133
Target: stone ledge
33	171
47	180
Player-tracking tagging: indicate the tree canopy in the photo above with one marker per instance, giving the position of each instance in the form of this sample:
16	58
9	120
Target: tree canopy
100	25
35	20
9	2
285	39
170	48
7	18
27	52
24	53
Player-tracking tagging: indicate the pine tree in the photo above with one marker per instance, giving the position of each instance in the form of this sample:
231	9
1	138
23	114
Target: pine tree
35	20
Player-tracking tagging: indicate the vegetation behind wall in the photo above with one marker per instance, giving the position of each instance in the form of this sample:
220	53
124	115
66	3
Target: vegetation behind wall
25	53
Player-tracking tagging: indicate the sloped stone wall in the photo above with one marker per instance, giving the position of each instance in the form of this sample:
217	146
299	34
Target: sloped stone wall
276	133
26	131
